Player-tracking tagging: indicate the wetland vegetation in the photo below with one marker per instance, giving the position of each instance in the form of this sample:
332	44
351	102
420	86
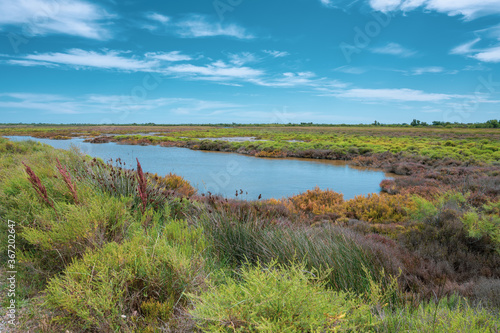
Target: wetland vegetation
103	248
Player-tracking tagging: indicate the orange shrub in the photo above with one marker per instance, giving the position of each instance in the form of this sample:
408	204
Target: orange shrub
316	201
374	208
377	208
176	183
273	153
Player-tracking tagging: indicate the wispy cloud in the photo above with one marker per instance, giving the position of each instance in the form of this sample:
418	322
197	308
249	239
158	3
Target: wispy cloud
326	3
157	17
394	49
299	79
400	95
107	104
488	54
350	70
218	70
90	59
466	47
469	9
276	54
44	17
338	3
196	26
169	56
160	62
426	70
240	59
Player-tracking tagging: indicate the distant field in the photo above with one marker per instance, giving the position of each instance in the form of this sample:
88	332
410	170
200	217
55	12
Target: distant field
343	142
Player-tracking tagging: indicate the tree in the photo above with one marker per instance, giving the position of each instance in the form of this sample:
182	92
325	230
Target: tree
415	122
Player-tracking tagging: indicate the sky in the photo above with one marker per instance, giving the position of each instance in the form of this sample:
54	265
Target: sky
249	61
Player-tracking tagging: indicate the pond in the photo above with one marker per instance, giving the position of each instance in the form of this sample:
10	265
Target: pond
226	173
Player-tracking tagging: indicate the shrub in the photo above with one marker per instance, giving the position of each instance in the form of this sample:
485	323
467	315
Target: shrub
177	184
278	299
484	226
316	201
108	285
374	208
377	208
97	220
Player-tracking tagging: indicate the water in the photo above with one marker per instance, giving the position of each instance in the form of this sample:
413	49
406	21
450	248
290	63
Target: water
225	173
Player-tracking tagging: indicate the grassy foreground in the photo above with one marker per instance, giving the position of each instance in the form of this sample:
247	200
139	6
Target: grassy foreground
99	248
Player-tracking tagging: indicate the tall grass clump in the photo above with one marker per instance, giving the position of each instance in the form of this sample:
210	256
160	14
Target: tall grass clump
450	314
235	241
278	298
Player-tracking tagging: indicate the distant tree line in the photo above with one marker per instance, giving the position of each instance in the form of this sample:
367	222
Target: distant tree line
493	123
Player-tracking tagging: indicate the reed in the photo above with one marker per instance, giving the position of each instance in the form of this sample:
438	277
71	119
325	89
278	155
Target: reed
38	186
67	179
142	187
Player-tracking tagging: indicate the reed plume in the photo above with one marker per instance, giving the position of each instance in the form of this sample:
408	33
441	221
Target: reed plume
67	179
38	186
142	187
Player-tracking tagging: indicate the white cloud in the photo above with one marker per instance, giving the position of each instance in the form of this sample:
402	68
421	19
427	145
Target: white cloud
240	59
289	80
488	55
430	69
215	71
276	54
326	3
350	70
197	26
469	9
68	17
338	3
401	95
299	79
465	48
385	5
393	49
169	56
158	17
491	54
30	63
92	59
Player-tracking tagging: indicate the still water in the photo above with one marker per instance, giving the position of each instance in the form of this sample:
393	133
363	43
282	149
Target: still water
225	173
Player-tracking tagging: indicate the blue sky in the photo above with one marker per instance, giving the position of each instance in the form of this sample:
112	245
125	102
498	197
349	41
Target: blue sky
249	61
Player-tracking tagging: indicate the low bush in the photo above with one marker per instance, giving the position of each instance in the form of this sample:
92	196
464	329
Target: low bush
109	285
275	298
